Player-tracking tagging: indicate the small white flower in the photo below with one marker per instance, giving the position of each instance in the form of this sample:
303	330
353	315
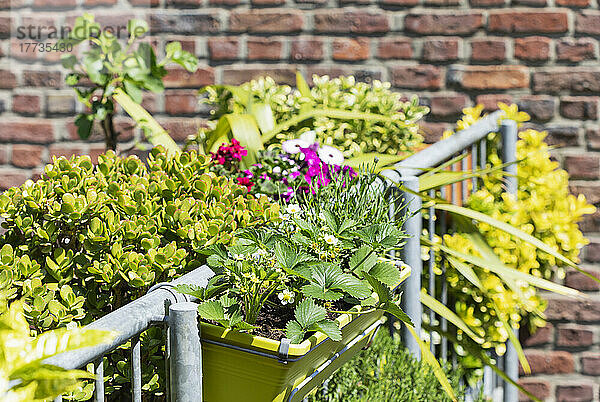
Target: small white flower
276	170
293	146
330	239
284	217
331	155
28	183
287	296
308	136
293	209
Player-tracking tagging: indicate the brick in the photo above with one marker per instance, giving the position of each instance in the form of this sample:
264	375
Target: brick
227	3
574	79
490	101
592	136
488	49
26	104
442	3
223	48
583	166
588	22
590	223
455	23
395	48
592	251
579	107
189	45
574	393
66	150
549	362
432	132
145	3
306	49
30	130
539	107
266	21
590	364
350	49
4	155
573	335
528	21
591	191
264	49
179	78
447	105
487	3
240	74
440	49
490	77
94	151
7	80
400	3
575	50
42	79
572	3
359	22
534	48
577	280
268	2
12	178
185	23
149	102
180	129
541	336
562	136
530	3
48	4
184	3
26	156
60	104
565	308
5	25
417	77
538	387
96	3
181	102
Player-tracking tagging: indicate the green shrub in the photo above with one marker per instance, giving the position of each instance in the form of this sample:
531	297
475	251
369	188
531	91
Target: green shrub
84	240
386	372
353	135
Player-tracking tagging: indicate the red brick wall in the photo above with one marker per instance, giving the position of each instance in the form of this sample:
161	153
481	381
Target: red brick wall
541	54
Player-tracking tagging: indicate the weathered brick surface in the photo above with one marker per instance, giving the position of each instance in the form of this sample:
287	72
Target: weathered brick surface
541	54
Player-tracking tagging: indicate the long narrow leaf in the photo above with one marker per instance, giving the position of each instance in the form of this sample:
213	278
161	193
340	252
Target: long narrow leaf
469	213
154	132
512	337
368	159
430	359
245	130
302	86
501	269
264	117
449	315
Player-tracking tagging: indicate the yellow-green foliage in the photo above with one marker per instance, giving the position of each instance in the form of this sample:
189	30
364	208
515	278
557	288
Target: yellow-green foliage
23	375
352	136
85	240
543	208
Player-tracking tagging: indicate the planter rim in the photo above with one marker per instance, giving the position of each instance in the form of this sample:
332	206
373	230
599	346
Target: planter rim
269	346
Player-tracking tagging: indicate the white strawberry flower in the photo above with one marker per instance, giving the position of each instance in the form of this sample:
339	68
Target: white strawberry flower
287	296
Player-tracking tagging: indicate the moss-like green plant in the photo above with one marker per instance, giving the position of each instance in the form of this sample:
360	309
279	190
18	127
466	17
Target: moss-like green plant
85	240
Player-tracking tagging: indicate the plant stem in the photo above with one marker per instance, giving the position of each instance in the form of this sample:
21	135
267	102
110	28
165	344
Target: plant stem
110	135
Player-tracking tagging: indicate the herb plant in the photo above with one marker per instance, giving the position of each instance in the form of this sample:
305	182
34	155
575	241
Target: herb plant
326	255
118	74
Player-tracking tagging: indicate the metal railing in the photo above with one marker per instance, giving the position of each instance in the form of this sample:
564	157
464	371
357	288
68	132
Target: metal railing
162	306
471	143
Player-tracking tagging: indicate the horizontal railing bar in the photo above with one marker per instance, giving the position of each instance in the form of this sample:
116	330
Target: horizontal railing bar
131	320
444	149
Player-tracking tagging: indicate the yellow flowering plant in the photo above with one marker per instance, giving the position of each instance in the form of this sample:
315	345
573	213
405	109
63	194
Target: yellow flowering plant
542	208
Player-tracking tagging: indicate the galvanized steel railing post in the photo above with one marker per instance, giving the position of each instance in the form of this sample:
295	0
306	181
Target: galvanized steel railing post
411	254
185	360
508	129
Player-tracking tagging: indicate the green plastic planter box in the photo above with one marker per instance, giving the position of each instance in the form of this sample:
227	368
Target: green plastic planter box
243	367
